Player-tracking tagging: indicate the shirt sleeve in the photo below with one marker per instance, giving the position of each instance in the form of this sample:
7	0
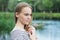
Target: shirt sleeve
19	36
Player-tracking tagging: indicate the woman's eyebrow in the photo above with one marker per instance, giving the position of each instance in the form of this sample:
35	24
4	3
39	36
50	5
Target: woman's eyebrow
28	13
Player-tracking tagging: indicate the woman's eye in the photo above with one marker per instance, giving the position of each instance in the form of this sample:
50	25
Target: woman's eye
26	14
31	15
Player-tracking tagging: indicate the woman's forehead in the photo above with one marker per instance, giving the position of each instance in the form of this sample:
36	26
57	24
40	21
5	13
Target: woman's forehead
26	10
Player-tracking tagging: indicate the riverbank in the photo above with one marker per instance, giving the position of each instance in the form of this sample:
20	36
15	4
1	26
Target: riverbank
46	16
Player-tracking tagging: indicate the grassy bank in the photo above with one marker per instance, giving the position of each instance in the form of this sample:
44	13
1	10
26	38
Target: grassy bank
47	16
6	22
37	16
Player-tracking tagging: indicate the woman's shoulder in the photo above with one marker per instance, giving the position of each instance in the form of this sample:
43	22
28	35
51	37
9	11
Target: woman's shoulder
16	32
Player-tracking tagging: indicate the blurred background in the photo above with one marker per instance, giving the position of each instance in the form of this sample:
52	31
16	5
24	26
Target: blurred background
46	18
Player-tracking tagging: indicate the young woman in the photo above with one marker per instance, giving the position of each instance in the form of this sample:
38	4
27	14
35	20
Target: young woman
23	17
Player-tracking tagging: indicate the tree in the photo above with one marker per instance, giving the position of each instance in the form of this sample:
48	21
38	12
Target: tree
3	5
44	5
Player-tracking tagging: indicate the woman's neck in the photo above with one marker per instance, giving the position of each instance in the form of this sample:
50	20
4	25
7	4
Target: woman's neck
19	25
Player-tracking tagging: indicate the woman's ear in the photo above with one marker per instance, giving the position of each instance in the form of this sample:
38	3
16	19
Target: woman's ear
17	14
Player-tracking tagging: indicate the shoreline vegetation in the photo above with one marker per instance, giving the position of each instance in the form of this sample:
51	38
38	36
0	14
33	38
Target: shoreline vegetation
46	16
36	16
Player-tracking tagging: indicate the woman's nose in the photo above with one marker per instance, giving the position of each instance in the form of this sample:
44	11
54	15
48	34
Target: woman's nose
29	17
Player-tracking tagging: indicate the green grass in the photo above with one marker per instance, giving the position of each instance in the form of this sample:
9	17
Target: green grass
6	22
47	16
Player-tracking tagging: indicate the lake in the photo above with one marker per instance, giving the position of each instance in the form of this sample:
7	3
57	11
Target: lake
51	30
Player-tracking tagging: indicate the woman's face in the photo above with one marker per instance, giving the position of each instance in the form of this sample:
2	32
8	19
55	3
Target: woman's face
25	16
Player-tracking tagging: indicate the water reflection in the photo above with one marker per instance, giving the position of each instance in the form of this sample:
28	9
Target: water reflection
51	31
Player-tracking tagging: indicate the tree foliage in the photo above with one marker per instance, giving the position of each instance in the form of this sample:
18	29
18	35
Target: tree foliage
38	5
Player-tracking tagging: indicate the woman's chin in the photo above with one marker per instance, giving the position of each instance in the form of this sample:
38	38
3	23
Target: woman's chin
26	23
